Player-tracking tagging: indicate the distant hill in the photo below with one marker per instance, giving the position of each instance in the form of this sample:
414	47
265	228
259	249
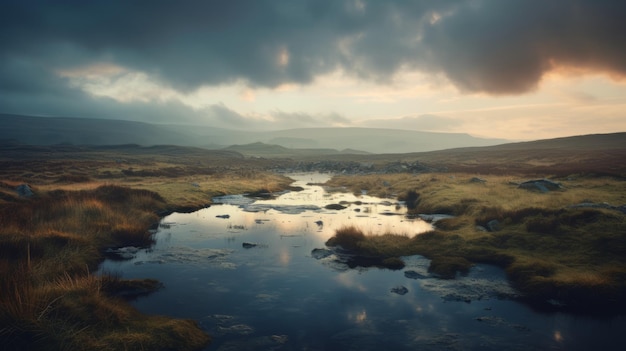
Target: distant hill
85	131
259	149
82	131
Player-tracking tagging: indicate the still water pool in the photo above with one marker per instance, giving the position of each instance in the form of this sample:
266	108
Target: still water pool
274	294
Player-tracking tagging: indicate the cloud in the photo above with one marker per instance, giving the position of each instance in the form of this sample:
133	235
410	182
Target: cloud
489	46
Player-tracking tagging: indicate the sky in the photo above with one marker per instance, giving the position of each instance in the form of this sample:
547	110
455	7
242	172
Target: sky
512	69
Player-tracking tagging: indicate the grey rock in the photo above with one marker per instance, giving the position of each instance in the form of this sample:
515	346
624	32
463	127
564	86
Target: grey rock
478	180
414	275
400	290
24	190
494	225
247	245
320	253
542	185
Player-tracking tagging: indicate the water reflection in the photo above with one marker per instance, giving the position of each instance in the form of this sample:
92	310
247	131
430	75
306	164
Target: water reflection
275	295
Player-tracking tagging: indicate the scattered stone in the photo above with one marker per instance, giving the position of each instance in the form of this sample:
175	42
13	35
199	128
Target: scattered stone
239	329
320	253
247	245
433	218
400	290
494	225
542	185
334	207
589	204
225	216
24	190
415	275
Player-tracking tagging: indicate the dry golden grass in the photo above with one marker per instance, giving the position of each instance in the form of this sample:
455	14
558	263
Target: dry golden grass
548	249
85	202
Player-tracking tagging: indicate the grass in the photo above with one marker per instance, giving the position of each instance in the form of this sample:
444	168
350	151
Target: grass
549	250
84	203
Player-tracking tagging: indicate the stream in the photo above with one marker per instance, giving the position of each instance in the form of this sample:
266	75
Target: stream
248	272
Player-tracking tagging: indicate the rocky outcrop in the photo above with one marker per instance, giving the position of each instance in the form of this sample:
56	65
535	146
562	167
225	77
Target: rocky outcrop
541	185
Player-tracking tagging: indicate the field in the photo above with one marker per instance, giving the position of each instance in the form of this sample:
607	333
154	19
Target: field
86	200
567	245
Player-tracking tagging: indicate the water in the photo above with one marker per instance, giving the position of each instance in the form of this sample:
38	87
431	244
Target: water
277	296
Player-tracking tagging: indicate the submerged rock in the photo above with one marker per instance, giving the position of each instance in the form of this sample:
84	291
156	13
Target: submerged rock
225	216
320	253
123	253
415	275
247	245
400	290
334	207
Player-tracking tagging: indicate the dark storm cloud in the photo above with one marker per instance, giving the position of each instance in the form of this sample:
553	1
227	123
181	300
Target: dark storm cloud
491	46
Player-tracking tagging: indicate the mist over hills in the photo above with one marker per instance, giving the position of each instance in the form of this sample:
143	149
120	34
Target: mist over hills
87	131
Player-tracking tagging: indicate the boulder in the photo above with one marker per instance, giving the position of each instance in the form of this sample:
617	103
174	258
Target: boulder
24	190
542	185
494	225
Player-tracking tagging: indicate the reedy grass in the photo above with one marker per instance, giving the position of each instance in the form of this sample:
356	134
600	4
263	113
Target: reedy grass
49	300
50	243
549	251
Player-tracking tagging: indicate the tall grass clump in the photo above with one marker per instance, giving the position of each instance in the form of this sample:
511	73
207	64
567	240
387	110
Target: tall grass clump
49	300
349	238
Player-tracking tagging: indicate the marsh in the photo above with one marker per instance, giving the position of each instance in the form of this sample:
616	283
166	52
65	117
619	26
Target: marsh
276	295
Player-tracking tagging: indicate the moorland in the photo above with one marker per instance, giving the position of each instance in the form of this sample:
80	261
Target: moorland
63	206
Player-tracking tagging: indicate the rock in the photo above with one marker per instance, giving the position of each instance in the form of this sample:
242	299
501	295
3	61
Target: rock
589	204
319	223
238	329
124	253
334	207
414	275
400	290
494	225
247	245
320	253
225	216
542	185
478	180
480	228
24	190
